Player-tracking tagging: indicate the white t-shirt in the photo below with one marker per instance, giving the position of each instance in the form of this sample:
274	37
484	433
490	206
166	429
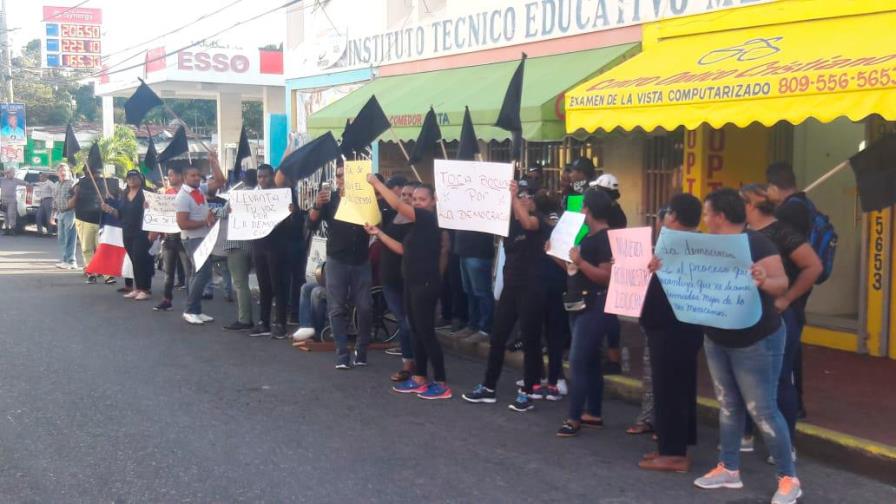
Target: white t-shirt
184	202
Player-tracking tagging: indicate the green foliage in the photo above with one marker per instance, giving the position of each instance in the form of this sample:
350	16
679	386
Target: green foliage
120	150
252	119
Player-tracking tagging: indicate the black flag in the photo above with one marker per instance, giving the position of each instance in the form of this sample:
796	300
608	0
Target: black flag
151	164
95	158
509	116
875	171
140	103
307	159
71	145
177	146
242	152
369	124
430	133
468	145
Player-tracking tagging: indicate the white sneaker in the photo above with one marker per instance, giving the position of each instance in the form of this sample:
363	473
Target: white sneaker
561	386
205	318
132	294
74	267
303	333
194	319
62	265
142	296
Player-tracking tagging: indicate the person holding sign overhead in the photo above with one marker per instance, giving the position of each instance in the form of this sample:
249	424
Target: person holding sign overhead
674	347
349	276
522	299
745	363
424	254
588	272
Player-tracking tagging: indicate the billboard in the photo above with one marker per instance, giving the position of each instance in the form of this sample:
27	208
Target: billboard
71	38
12	132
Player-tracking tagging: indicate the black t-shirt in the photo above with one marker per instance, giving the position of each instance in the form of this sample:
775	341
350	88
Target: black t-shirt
796	213
523	252
769	322
473	244
617	218
87	208
390	262
788	239
595	249
130	214
657	313
346	242
422	246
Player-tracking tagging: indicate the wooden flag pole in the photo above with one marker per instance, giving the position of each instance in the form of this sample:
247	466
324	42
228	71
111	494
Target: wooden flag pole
405	152
105	183
444	149
92	179
827	175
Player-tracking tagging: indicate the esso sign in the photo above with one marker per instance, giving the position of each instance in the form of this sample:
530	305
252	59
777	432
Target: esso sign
212	62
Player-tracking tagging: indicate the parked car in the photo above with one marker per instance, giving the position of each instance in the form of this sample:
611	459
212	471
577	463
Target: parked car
27	206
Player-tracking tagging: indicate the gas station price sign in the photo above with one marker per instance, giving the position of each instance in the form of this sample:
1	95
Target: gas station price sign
72	38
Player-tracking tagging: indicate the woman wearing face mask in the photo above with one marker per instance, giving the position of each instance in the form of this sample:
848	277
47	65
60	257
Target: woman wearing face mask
424	256
129	211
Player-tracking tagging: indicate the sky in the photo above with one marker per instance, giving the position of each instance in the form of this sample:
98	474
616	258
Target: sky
129	22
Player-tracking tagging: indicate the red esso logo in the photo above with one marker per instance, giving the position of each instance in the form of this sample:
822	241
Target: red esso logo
217	62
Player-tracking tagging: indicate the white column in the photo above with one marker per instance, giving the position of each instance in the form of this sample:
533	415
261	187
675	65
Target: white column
230	120
273	101
108	117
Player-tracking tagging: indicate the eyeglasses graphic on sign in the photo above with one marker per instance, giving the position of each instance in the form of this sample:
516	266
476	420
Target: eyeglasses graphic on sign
750	50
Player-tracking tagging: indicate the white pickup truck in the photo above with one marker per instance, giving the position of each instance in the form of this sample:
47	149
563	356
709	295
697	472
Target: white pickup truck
27	206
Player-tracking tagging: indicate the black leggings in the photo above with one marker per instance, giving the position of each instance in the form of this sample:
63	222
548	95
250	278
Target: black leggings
272	270
420	303
137	247
673	362
556	323
526	304
173	254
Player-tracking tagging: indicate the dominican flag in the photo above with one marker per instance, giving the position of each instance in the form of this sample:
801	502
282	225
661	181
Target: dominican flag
110	258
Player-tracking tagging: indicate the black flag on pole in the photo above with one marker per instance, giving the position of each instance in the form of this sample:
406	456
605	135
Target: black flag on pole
71	146
430	133
177	146
875	171
509	116
95	158
140	103
369	124
309	158
242	152
468	145
150	166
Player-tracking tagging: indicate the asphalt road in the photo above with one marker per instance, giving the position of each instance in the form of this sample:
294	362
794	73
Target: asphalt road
104	400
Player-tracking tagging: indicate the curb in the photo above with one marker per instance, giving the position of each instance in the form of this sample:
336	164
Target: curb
845	451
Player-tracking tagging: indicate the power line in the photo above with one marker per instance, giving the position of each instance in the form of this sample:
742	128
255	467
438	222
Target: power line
196	43
172	32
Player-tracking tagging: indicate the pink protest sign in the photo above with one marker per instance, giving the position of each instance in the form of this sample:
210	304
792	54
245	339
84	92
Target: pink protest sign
632	251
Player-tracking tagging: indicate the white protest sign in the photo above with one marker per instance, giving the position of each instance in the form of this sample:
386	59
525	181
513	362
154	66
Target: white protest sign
629	276
563	238
473	195
254	214
159	214
205	248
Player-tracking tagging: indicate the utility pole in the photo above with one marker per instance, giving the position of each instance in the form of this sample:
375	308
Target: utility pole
7	52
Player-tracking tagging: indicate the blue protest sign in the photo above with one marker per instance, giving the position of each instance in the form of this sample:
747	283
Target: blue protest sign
707	279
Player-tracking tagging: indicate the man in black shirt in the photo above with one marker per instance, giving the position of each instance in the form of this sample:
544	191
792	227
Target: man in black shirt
782	191
349	276
674	347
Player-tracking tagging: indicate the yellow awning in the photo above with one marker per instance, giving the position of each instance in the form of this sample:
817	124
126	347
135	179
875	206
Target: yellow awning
790	70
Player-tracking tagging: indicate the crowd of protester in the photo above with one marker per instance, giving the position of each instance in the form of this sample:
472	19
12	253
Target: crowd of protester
546	305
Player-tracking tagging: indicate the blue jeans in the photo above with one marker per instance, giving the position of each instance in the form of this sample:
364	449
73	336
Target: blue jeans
587	388
313	306
226	280
66	236
395	302
746	379
476	277
348	285
198	279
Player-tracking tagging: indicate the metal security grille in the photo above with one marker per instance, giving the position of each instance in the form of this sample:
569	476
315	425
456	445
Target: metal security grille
662	172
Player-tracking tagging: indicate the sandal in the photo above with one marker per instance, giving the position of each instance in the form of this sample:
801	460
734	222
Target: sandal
640	428
400	376
593	422
568	429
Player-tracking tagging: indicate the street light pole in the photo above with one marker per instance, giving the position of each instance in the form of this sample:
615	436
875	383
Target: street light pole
7	52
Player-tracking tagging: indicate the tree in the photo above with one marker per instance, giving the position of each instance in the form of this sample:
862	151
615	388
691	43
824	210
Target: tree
253	119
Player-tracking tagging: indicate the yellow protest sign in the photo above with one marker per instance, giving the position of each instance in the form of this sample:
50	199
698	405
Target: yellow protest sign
358	204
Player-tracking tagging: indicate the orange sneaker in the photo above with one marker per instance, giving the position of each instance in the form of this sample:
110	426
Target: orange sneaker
719	478
789	490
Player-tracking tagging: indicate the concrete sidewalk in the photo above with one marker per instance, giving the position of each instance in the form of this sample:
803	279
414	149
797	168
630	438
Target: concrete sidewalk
851	409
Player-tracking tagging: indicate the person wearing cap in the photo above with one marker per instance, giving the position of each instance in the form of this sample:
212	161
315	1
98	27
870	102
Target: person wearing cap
128	209
581	174
534	177
610	184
